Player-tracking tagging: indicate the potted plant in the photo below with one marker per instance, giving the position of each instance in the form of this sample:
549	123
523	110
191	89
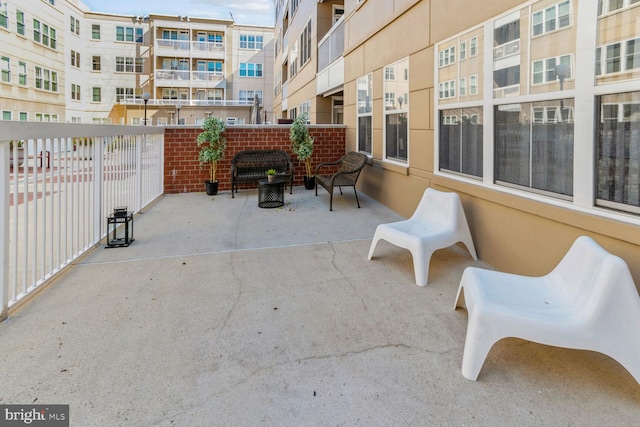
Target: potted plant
271	175
212	145
302	146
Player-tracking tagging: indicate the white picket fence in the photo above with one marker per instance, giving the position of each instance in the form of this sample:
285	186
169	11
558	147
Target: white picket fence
58	184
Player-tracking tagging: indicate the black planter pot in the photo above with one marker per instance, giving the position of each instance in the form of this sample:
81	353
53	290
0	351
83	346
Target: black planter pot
309	182
211	187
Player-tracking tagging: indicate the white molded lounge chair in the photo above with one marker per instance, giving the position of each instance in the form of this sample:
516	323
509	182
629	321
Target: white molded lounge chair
438	222
589	301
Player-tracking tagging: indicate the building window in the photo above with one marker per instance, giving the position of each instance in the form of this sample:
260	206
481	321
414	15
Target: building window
305	108
128	64
447	56
5	69
20	22
462	86
473	46
124	93
75	59
248	69
75	92
249	96
74	25
607	6
461	141
248	41
37	36
124	34
473	85
139	35
365	114
551	19
618	151
95	63
22	73
447	90
96	94
46	79
7	115
24	116
463	50
95	32
305	44
396	120
4	18
618	57
544	71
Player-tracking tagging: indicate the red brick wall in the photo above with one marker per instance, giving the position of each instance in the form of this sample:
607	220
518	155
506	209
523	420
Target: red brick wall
184	175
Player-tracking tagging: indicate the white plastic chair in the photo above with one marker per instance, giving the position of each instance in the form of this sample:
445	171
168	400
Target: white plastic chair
589	301
438	222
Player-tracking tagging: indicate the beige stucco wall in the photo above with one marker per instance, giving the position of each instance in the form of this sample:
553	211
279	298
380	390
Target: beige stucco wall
511	232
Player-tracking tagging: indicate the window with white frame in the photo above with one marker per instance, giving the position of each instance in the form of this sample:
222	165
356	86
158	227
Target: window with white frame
75	92
365	114
7	115
96	94
125	34
305	108
95	32
75	59
249	95
248	69
4	18
461	141
462	86
74	25
124	93
463	50
46	79
473	46
545	71
5	69
551	18
447	89
20	22
608	6
22	73
447	56
305	44
618	57
250	41
96	63
396	113
473	85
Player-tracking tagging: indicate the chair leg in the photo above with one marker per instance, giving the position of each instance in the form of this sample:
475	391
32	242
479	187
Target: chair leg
356	193
374	243
476	348
331	200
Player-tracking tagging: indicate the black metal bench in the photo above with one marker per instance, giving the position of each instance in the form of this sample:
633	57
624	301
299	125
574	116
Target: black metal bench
252	166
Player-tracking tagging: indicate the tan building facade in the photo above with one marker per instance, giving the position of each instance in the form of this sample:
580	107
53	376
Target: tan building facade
64	63
529	110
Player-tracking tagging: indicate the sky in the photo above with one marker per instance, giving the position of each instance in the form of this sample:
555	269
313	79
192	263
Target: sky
245	12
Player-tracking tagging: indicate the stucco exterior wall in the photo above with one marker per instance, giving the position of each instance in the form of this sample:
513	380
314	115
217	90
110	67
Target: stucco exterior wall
523	235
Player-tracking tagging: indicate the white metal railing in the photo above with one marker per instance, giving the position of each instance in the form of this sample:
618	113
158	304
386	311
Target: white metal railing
186	45
331	46
186	75
58	184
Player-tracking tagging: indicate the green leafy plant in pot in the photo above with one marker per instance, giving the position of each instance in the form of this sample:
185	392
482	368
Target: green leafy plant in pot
212	145
302	147
271	175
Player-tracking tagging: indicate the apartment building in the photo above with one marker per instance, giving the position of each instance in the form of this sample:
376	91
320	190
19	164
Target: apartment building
63	62
309	67
530	110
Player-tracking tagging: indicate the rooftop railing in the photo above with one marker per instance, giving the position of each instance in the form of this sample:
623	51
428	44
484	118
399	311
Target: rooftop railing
58	184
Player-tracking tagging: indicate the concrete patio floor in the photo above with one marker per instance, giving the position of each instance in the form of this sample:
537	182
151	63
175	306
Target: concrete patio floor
222	313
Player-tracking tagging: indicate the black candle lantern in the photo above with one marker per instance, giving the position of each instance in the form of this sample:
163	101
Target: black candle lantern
119	228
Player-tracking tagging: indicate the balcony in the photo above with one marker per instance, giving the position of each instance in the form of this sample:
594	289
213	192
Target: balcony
186	78
330	76
186	48
224	311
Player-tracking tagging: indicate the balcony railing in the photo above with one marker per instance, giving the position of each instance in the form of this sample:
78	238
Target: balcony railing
186	45
175	76
58	184
331	46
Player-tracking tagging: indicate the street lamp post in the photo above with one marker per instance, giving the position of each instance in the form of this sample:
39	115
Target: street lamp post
178	107
145	98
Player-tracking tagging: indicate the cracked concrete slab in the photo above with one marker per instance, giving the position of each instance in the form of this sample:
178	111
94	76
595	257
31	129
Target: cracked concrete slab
222	313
